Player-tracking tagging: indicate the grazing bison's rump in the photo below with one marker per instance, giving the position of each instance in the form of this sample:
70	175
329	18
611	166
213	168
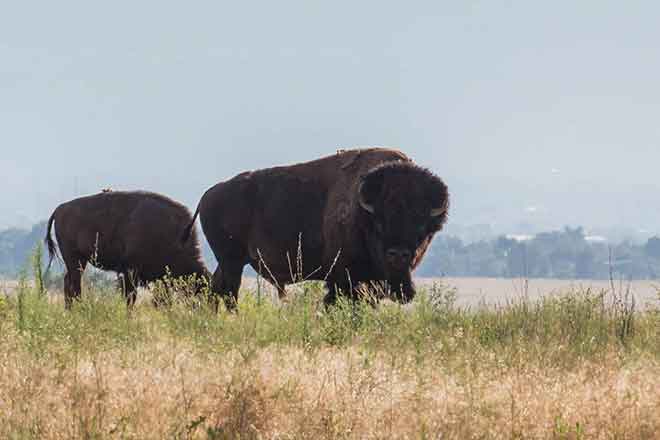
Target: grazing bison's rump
132	233
357	216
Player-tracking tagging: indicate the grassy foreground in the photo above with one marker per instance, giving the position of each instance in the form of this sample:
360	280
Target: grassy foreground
580	365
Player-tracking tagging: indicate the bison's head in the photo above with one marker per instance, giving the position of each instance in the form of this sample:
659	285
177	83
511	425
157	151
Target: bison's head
403	206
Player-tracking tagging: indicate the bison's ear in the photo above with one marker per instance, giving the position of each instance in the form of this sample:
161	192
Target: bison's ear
369	191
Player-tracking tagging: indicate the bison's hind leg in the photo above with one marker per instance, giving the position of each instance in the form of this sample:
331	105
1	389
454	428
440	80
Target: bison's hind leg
129	285
226	283
73	281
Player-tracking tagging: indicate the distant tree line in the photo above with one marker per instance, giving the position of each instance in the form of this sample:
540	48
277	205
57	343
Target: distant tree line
16	247
565	254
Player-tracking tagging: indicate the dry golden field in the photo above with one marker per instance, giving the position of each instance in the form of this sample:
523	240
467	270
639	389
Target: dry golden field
571	365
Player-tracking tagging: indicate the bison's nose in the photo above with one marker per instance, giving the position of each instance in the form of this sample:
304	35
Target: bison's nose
398	258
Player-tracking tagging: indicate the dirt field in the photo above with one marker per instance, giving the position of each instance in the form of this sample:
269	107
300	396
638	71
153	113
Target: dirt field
493	291
7	286
472	291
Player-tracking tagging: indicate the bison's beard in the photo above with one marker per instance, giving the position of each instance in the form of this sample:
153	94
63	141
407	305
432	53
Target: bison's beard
401	287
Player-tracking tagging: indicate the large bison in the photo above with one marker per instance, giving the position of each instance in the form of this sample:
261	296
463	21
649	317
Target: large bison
357	216
135	234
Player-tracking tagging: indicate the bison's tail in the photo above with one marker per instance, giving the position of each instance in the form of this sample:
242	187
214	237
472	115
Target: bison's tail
50	243
187	232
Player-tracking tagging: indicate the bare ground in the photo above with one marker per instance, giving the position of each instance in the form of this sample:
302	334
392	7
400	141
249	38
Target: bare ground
497	291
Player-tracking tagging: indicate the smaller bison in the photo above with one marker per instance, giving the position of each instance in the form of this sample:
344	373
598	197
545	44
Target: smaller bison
132	233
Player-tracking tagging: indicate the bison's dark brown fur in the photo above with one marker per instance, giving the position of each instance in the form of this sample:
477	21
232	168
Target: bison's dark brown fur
357	216
135	234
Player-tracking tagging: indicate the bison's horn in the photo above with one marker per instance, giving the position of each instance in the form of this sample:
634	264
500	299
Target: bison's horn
363	203
437	212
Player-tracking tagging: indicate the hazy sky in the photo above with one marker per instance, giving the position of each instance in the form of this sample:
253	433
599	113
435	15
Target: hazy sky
523	107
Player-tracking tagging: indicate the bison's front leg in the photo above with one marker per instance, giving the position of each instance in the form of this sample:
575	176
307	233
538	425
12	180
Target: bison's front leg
337	288
402	290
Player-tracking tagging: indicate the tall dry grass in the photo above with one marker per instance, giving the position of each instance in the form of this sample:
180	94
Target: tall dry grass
580	365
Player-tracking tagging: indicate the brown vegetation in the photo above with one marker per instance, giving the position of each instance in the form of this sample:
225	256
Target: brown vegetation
572	366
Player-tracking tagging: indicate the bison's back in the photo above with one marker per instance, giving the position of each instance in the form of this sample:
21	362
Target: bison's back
125	230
